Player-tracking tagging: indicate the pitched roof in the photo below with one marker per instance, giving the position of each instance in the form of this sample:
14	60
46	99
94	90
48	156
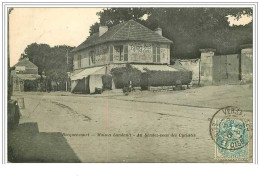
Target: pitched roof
130	30
25	62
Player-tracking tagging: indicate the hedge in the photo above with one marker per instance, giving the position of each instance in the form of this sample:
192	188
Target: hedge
169	78
122	76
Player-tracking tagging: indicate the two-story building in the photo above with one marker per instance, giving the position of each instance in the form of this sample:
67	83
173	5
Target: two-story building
126	43
24	76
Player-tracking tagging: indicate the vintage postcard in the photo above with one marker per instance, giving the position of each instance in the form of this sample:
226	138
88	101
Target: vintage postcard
130	84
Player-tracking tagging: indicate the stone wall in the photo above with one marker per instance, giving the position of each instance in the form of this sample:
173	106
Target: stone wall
247	65
227	69
206	65
192	65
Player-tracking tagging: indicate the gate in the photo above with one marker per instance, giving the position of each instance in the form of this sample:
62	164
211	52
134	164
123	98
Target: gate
226	69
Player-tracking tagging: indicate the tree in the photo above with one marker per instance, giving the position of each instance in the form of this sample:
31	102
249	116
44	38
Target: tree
51	60
190	29
113	16
37	54
57	66
194	28
94	28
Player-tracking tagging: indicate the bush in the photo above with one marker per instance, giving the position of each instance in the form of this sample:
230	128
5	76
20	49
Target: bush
30	85
169	78
122	76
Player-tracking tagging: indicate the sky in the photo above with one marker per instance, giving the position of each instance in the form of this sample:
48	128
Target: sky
242	21
56	26
53	26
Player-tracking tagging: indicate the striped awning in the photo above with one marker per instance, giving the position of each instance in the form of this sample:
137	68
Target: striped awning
89	71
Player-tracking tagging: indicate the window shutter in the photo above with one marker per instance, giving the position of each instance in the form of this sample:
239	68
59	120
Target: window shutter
154	53
126	53
111	53
94	57
79	61
89	59
158	54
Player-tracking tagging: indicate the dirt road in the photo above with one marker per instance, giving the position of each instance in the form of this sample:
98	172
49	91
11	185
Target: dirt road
153	127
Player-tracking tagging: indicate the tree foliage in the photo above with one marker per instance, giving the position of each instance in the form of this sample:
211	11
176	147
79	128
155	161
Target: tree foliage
190	29
113	16
51	60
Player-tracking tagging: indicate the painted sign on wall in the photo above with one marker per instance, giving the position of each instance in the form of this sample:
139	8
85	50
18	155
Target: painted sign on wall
164	55
139	51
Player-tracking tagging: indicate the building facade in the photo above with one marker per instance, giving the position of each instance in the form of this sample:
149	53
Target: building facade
126	43
24	76
122	52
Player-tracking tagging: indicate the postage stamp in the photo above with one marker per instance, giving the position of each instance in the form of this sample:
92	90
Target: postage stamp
229	128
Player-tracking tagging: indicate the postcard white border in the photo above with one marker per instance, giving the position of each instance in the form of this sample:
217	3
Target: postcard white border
128	176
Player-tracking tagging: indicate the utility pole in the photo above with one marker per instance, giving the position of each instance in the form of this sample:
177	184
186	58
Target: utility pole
67	56
67	66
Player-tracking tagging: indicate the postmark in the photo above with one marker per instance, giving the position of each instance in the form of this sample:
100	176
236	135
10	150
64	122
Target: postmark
229	128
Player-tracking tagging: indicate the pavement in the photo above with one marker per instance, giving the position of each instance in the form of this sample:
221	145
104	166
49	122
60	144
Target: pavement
141	127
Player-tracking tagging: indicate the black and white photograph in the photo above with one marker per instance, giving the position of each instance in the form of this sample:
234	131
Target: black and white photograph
129	84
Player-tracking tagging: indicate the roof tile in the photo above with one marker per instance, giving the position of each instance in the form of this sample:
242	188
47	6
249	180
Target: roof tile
25	62
130	30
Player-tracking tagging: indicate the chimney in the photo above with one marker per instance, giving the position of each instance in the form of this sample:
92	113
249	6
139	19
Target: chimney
158	31
102	30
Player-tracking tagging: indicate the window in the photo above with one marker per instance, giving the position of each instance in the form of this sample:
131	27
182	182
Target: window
156	54
126	53
119	53
79	61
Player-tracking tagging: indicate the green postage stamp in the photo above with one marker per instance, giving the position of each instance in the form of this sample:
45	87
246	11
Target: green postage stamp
230	129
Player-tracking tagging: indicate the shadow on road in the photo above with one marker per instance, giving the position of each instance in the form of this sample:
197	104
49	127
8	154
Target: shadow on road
27	144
